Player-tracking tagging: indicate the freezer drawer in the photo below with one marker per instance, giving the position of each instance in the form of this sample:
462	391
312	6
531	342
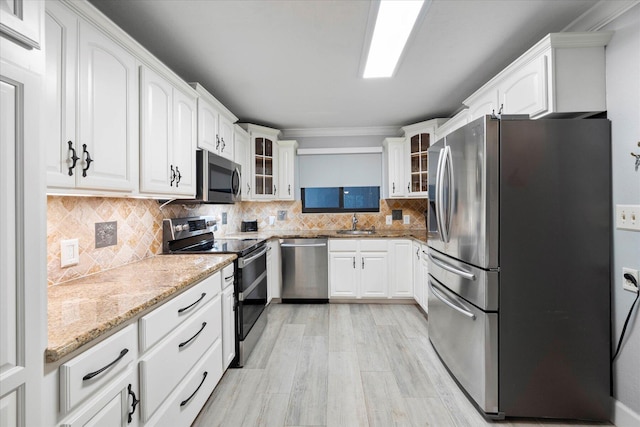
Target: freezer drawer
478	286
466	340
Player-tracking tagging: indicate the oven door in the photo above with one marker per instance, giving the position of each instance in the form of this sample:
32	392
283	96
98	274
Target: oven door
252	289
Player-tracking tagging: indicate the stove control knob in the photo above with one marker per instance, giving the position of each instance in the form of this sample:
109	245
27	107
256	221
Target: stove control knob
211	223
178	228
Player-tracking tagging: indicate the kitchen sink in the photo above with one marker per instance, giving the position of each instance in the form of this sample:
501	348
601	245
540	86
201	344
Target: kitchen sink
357	232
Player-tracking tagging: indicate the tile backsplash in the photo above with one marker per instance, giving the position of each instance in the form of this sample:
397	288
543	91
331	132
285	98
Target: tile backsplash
139	223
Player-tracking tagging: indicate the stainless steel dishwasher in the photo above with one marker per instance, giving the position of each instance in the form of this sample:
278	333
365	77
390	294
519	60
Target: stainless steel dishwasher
304	270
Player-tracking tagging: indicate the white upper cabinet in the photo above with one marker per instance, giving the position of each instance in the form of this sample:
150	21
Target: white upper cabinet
167	136
241	153
264	161
215	124
563	75
419	137
396	166
91	120
21	19
286	173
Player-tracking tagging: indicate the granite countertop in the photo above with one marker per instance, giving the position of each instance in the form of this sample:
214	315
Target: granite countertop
419	235
84	309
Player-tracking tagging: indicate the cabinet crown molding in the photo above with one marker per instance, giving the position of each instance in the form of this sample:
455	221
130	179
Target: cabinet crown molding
251	128
219	106
426	126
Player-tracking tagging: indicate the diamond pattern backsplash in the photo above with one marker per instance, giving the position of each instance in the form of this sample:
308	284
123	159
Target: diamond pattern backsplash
139	223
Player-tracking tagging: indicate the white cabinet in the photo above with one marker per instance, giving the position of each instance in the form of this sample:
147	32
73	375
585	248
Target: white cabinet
99	150
424	253
396	156
167	136
563	75
241	154
286	173
454	123
21	19
215	124
416	262
401	277
358	268
274	270
264	161
419	138
228	317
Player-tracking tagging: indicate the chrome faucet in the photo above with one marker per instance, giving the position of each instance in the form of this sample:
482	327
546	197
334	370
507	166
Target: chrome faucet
354	221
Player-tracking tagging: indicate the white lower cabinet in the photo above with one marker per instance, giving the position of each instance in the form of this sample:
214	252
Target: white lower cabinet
358	268
424	251
274	270
228	317
401	277
418	289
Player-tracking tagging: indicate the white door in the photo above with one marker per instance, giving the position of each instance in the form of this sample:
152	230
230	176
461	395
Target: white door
343	274
108	113
286	154
398	180
157	172
59	125
425	277
374	274
225	128
228	327
401	277
23	279
184	143
208	138
241	156
417	273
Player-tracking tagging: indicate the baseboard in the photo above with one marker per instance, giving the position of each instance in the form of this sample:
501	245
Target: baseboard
622	415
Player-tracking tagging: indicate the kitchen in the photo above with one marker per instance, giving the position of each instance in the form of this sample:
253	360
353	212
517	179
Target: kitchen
139	220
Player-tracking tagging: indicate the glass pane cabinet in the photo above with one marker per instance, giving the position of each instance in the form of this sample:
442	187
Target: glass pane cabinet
419	146
264	179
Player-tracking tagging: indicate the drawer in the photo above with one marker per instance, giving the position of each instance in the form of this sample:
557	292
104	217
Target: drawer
343	244
167	364
190	396
161	321
86	374
228	276
375	245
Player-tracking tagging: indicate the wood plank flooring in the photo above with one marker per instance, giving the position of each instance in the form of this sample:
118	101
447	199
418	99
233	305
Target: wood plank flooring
345	365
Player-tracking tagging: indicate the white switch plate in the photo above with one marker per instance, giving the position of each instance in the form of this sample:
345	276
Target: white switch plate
388	219
406	219
628	217
628	284
69	252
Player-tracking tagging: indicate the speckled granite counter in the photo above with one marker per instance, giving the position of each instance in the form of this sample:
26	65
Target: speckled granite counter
419	235
83	309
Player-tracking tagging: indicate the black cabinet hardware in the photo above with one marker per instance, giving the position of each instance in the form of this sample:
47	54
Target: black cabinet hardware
182	344
74	158
191	305
101	370
87	159
204	377
133	404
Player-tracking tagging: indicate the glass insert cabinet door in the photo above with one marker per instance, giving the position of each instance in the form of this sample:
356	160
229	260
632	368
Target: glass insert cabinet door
419	161
264	149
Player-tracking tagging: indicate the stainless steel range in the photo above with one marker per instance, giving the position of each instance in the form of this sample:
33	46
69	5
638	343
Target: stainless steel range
195	235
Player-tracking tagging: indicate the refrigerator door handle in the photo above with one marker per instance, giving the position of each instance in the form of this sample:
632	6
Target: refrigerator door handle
442	298
447	168
455	270
439	210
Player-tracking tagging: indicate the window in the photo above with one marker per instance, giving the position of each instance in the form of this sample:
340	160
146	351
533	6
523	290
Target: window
340	199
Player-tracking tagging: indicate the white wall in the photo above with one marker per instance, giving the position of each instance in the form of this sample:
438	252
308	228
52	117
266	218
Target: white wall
623	105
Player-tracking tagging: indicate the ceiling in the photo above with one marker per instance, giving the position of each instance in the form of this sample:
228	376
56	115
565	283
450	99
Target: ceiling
294	64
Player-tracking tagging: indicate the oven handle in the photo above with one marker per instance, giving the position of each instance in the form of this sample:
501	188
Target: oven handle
308	245
455	270
441	297
251	287
243	262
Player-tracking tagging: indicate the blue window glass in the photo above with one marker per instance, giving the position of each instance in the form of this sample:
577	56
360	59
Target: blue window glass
340	199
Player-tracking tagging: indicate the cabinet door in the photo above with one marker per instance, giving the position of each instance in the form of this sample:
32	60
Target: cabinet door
184	143
418	289
274	282
285	172
208	138
265	152
225	127
374	275
525	91
398	181
228	327
21	268
486	103
20	19
157	171
241	156
418	163
59	125
425	278
401	277
343	274
108	113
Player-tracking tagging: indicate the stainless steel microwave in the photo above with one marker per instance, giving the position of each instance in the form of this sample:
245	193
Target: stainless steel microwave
217	179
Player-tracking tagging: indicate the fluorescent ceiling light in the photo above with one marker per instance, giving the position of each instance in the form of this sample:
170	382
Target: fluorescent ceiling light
394	24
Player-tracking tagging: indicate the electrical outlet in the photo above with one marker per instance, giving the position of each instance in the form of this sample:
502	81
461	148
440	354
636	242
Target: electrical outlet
628	284
628	217
282	215
224	218
388	219
69	253
407	219
106	234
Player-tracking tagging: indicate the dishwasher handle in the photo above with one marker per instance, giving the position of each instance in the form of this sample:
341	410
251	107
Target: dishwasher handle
308	245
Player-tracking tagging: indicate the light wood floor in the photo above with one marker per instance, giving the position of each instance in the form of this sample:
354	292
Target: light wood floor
344	365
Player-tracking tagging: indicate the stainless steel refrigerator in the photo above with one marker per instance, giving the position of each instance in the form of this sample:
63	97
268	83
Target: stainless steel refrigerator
519	256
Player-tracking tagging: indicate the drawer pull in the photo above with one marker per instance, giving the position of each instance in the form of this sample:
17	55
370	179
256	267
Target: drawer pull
133	404
99	371
182	344
191	305
204	377
228	277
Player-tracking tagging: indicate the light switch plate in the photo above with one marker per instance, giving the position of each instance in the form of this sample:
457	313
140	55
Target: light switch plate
388	219
407	219
628	217
69	254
